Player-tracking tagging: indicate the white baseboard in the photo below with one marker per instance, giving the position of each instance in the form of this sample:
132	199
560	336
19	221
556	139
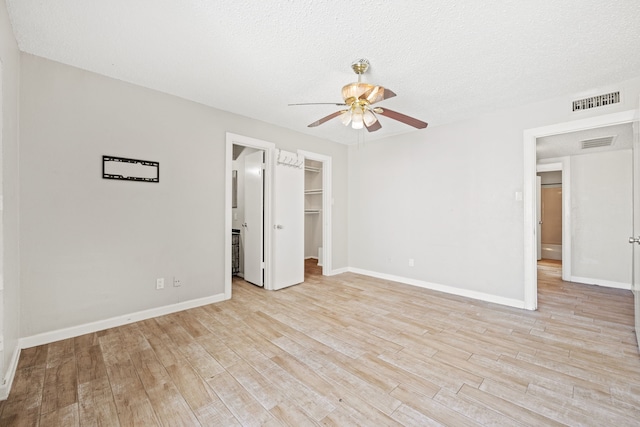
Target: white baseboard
442	288
7	381
338	271
74	331
600	282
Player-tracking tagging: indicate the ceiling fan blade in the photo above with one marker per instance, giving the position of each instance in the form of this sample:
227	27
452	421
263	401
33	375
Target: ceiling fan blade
374	126
419	124
319	103
326	119
377	94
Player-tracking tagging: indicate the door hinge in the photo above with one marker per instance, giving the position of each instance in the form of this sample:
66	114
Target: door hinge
262	265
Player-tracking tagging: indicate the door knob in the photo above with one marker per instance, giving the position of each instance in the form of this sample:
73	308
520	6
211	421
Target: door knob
633	240
278	227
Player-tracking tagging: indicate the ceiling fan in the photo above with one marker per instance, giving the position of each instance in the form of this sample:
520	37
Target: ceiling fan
359	98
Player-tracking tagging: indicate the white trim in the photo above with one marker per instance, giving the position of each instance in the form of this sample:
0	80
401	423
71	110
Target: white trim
338	271
529	189
442	288
600	282
327	197
7	381
87	328
268	148
4	389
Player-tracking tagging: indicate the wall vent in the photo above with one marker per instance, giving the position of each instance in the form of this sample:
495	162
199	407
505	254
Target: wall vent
596	101
605	141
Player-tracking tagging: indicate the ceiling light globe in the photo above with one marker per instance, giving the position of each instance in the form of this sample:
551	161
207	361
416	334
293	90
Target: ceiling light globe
369	118
345	117
357	121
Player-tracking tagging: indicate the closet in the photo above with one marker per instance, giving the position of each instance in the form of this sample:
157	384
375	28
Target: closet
313	210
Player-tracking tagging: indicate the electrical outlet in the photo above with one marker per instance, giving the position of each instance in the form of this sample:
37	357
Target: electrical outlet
160	283
411	263
177	282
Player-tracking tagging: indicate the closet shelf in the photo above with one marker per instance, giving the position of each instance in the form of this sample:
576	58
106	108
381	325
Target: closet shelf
312	211
318	191
312	169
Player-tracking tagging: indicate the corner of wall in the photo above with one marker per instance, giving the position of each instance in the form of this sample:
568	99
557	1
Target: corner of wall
9	203
7	380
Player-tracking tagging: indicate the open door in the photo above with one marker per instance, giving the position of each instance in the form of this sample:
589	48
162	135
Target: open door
253	226
288	220
635	285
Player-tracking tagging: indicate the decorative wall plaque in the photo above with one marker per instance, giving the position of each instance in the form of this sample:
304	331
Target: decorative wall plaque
130	169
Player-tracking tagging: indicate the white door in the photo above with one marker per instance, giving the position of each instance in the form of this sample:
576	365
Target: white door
635	285
288	220
539	216
253	226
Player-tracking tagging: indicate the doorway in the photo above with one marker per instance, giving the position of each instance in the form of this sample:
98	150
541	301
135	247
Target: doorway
530	205
276	248
550	235
252	148
248	213
318	202
560	168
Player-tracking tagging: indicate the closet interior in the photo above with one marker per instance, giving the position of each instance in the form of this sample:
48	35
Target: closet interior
313	210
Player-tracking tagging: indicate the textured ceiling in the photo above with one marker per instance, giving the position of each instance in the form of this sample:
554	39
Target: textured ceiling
446	59
569	144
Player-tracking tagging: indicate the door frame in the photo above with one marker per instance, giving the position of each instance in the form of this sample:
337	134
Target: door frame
327	199
529	188
268	148
635	288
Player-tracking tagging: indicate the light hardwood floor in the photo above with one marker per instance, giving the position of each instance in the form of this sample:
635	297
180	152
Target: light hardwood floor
347	350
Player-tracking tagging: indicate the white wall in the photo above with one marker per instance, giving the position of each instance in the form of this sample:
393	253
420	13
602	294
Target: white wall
601	217
9	230
92	248
445	197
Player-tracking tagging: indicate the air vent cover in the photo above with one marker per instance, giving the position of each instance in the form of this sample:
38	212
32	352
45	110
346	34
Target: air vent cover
596	101
605	141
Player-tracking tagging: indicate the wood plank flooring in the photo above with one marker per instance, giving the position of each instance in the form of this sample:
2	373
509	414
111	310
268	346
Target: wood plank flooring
347	350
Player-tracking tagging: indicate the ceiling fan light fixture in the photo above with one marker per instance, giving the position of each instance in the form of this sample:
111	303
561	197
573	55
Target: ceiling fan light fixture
345	117
358	98
357	119
368	117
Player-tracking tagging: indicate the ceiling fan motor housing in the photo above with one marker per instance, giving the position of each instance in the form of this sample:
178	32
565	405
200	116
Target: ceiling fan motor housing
353	91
